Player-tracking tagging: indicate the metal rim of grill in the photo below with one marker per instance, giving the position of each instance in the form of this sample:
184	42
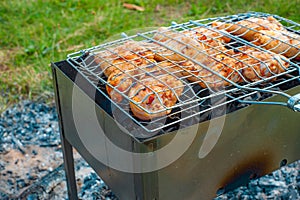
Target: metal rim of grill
84	62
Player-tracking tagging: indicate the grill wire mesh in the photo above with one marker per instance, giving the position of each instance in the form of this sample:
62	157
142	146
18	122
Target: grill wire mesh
173	77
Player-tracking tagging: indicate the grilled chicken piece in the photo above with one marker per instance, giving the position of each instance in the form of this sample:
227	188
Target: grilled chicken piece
177	42
259	65
267	33
223	65
247	28
197	43
207	53
211	38
121	82
163	34
118	65
284	42
250	63
182	44
229	68
125	57
173	68
154	69
155	95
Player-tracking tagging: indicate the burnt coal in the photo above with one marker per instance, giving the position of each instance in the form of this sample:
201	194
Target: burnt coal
21	183
281	184
95	188
29	123
2	165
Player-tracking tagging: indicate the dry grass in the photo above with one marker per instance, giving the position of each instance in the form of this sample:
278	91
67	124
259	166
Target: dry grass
6	55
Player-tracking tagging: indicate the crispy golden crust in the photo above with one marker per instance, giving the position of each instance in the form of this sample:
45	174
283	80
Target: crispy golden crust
163	34
224	65
117	65
267	33
121	82
173	68
209	37
197	43
284	43
184	45
190	70
125	57
247	28
207	52
152	69
259	65
155	95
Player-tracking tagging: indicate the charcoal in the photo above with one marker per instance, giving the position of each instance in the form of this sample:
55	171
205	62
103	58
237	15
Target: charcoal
292	193
32	177
298	187
4	196
11	181
18	144
268	183
2	166
298	178
32	197
34	152
1	130
21	183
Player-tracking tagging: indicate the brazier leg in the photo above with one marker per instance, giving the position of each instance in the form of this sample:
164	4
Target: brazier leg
69	169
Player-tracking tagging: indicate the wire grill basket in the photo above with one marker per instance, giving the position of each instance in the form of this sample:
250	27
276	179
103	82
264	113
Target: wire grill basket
160	80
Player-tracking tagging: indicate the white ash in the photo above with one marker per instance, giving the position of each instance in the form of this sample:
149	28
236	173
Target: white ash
28	129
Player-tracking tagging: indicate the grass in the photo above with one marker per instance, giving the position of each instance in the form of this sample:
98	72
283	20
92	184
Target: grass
34	32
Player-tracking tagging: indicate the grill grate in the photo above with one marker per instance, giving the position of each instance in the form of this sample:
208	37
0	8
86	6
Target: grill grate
189	69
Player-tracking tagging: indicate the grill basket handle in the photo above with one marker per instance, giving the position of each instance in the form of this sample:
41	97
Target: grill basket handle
294	103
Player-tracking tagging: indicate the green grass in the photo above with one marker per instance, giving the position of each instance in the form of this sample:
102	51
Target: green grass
33	32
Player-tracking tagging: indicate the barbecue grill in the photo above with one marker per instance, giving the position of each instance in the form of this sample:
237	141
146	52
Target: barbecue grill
218	135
